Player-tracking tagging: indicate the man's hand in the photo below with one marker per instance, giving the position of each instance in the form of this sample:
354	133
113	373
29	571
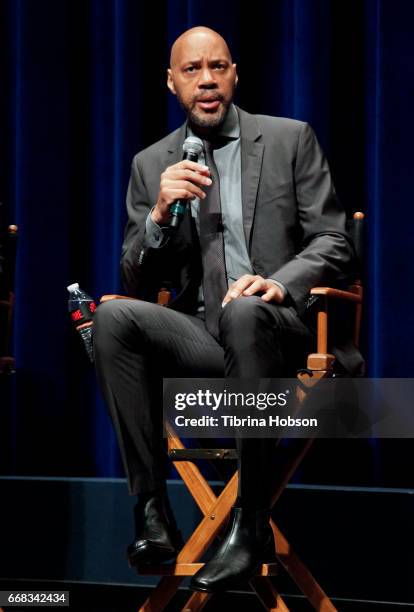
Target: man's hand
182	181
249	285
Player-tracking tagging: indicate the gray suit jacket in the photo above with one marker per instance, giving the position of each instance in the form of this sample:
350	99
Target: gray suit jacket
294	225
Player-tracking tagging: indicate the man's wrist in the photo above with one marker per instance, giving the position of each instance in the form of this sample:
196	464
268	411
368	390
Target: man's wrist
157	218
155	235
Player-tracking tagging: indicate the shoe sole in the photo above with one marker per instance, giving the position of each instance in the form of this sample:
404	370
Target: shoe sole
230	586
236	585
151	556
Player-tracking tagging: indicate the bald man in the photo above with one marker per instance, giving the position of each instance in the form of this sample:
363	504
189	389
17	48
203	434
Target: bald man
262	226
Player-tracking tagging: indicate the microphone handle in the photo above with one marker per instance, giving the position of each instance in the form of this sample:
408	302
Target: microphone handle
178	208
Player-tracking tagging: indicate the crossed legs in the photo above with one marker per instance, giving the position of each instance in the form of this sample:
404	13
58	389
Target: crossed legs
138	343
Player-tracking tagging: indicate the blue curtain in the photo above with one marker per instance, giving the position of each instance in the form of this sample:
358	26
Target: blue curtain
83	89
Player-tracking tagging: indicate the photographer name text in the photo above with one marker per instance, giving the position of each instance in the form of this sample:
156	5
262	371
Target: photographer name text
226	420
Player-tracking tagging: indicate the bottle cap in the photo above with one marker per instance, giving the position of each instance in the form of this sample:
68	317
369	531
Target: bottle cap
73	287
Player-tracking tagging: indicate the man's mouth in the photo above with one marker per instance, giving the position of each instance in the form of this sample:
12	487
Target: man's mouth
208	103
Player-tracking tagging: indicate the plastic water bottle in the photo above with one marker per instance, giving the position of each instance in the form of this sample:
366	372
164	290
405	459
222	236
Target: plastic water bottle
81	309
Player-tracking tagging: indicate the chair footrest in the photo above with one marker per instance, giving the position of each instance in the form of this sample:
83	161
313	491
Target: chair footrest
189	569
188	454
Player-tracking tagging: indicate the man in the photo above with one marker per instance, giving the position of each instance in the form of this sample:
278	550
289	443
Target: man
262	227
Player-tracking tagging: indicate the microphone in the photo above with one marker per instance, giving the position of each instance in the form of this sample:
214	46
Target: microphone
192	148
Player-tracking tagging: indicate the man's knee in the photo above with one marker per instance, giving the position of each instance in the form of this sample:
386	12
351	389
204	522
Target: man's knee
108	315
244	316
115	322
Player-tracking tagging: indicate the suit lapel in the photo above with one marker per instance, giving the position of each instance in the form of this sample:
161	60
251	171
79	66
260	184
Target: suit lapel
251	167
174	152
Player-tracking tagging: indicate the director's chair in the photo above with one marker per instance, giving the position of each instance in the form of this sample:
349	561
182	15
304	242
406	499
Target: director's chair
8	240
216	509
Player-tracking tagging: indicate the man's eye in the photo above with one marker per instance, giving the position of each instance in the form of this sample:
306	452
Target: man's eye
190	69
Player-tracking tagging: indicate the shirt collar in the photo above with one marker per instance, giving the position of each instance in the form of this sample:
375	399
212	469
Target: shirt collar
230	127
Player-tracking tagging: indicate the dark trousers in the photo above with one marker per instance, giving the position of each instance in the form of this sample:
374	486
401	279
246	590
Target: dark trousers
138	343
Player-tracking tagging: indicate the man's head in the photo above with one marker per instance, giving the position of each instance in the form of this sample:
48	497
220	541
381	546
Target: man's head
202	76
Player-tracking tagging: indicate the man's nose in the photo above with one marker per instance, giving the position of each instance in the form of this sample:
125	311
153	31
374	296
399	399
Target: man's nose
206	78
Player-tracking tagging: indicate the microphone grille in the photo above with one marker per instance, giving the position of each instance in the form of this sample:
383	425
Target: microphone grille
192	144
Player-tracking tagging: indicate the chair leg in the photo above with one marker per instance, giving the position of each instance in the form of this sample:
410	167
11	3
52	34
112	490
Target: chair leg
196	602
201	538
210	525
195	482
162	594
216	510
298	571
287	557
268	595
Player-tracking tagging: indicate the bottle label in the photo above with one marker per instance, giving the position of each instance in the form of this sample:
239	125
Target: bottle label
84	312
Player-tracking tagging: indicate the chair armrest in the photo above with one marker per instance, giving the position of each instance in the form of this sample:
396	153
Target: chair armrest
354	295
330	292
164	297
6	303
7	365
114	296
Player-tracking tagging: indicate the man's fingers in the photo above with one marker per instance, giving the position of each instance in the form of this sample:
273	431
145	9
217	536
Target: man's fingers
181	194
187	174
232	294
186	163
171	187
237	288
258	285
182	181
250	285
190	165
273	294
269	295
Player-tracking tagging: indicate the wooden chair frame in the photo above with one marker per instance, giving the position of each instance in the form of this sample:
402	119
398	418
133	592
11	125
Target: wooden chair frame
7	362
216	510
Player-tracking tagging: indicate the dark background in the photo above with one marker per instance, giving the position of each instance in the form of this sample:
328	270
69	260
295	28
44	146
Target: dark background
82	89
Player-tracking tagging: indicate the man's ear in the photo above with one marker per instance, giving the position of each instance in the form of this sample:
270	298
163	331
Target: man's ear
237	76
170	82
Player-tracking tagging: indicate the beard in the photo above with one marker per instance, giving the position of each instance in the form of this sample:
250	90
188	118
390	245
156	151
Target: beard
203	119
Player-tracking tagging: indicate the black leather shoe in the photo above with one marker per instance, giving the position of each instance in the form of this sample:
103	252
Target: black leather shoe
248	542
157	536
